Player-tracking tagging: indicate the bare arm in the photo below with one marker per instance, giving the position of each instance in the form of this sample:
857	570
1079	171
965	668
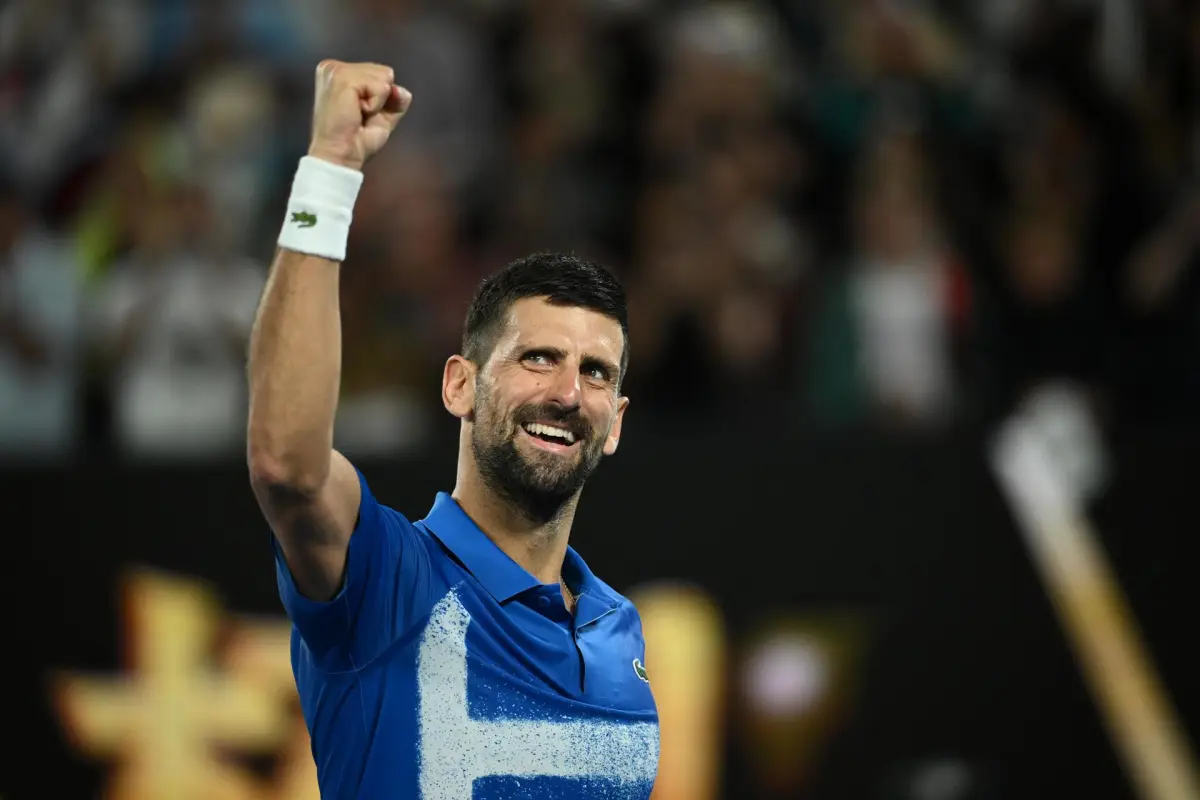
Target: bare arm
309	493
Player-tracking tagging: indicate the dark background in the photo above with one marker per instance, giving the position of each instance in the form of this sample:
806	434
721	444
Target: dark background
966	659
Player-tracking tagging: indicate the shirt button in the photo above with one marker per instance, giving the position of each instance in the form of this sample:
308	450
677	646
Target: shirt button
544	601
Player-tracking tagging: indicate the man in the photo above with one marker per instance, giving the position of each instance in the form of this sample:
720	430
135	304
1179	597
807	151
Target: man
472	654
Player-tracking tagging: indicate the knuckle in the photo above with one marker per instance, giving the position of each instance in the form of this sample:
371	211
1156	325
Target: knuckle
382	71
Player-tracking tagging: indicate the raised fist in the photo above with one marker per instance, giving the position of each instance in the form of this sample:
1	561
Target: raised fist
355	110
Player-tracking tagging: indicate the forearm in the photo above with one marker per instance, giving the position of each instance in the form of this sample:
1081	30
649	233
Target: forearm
296	345
294	373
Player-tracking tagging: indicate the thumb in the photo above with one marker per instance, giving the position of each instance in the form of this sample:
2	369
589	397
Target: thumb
396	105
374	96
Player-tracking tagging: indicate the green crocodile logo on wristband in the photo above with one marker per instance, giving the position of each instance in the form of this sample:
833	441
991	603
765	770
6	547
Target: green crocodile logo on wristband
304	219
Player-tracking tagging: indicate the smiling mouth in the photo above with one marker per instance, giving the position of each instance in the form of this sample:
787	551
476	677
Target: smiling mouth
552	436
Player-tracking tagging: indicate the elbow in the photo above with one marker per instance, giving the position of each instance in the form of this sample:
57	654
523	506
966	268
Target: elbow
285	477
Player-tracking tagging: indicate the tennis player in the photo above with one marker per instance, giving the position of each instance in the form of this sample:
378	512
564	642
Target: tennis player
471	654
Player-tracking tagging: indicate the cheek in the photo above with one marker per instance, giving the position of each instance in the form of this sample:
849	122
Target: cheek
519	390
500	405
604	412
497	411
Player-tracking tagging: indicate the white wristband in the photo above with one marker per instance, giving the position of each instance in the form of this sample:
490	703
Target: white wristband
320	209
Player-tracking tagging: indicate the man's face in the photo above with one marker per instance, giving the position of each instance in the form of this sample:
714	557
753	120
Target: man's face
547	405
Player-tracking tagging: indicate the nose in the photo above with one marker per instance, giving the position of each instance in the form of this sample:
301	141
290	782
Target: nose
564	388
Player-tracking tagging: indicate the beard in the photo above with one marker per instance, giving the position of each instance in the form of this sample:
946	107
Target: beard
537	484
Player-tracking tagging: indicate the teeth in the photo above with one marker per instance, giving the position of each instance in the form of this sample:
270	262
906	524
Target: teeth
547	430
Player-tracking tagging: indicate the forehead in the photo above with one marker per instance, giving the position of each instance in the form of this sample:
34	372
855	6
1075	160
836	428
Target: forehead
532	321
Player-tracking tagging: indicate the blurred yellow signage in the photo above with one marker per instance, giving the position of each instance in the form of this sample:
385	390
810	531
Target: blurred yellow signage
206	696
181	722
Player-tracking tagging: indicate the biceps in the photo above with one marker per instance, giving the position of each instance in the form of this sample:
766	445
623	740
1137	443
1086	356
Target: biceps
314	531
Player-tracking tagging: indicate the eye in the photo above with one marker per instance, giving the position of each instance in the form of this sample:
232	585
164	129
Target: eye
597	372
538	358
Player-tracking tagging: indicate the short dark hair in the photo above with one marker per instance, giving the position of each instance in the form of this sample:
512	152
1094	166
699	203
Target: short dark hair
563	279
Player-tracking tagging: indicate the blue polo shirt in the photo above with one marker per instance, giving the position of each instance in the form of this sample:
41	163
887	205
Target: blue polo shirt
443	670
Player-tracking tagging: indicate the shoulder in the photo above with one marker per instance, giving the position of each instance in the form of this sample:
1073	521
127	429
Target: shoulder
371	505
608	592
374	513
620	602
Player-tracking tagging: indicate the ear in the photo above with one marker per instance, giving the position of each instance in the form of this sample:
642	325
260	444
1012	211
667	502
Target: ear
614	434
458	386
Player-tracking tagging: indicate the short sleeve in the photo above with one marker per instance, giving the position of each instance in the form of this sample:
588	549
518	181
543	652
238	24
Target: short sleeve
386	588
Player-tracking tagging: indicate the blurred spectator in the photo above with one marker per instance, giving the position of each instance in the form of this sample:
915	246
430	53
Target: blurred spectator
146	155
1160	351
719	255
230	129
61	64
886	58
403	296
888	330
174	323
195	35
723	73
563	67
728	159
441	61
40	296
1049	316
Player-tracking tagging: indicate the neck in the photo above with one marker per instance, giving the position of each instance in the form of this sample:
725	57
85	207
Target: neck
536	545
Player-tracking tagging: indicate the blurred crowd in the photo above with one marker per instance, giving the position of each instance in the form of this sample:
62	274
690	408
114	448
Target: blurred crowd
897	214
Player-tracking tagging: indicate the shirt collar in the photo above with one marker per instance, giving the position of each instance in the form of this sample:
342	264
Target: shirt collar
504	578
594	598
